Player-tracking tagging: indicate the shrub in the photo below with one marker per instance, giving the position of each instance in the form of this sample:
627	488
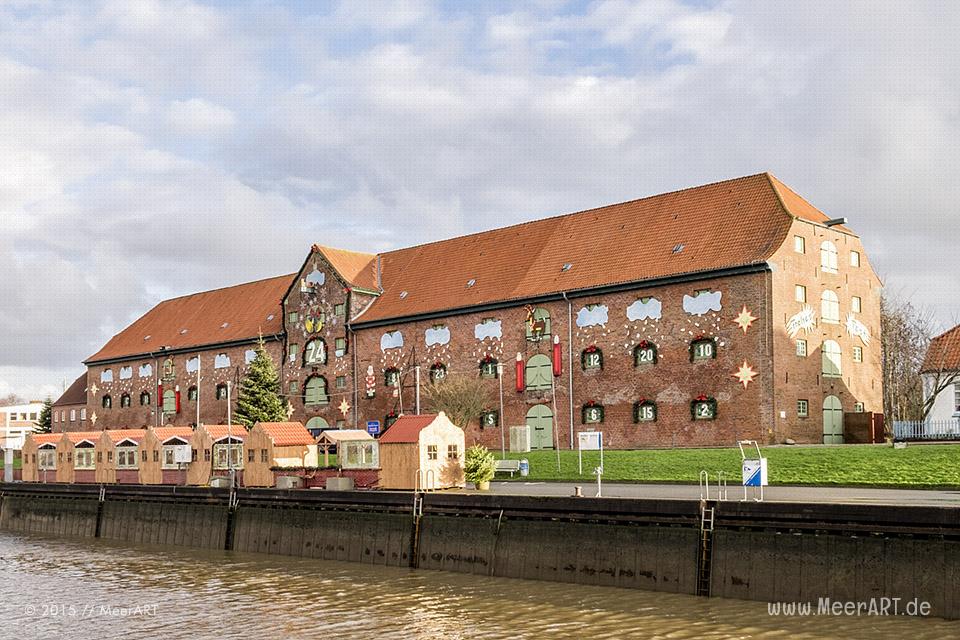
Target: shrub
479	464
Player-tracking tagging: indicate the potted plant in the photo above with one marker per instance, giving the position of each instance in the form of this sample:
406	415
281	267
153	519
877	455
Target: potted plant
479	466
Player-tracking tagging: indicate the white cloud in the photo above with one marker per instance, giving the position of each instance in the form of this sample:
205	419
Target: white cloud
200	117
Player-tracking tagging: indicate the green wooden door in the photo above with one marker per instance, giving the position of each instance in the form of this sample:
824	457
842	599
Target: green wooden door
832	420
540	421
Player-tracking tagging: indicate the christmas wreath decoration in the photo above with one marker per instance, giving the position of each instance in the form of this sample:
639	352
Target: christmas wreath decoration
585	355
711	404
644	345
702	339
488	367
641	403
389	419
591	404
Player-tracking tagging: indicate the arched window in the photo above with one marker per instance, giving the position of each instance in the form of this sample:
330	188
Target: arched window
106	402
591	358
438	371
830	307
315	352
315	391
830	356
488	367
125	401
221	391
316	424
828	257
391	377
645	411
144	398
169	401
592	413
538	373
537	324
644	353
192	394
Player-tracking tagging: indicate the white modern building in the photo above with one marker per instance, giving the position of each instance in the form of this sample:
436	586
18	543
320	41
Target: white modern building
16	422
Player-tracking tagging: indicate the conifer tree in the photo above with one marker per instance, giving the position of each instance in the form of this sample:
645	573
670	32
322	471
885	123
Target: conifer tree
45	421
259	397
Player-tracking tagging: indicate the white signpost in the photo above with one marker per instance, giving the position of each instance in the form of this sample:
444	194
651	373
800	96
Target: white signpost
754	469
590	441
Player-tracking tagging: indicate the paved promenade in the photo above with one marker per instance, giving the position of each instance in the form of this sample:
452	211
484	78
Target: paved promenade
848	495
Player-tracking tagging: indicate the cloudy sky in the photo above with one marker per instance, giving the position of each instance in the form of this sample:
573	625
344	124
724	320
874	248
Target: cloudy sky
152	149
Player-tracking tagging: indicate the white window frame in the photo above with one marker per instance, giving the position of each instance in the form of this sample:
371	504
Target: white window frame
802	348
858	354
47	459
856	304
220	455
854	258
83	458
799	244
858	407
828	257
125	455
956	398
799	293
829	307
73	415
831	361
803	408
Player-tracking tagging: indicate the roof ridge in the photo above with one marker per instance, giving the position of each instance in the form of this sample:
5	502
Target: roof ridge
223	288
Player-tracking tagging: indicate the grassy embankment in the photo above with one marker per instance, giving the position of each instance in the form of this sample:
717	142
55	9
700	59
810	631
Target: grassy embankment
920	466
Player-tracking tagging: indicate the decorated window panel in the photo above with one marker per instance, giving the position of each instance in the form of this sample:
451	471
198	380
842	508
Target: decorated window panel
315	352
391	377
645	411
591	358
703	408
248	356
125	401
858	407
340	347
438	334
644	353
591	413
293	350
489	419
389	419
488	367
537	324
145	399
438	371
703	349
221	392
169	401
106	402
315	391
145	370
314	321
192	394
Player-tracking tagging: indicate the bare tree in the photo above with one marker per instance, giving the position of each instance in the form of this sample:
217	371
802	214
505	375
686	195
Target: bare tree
11	399
462	397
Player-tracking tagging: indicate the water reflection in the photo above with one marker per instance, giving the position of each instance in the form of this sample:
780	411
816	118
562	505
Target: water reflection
55	588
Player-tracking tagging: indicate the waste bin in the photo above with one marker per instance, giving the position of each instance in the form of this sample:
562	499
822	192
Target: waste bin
524	468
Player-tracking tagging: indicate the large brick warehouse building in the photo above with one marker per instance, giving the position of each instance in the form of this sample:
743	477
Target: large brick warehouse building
727	311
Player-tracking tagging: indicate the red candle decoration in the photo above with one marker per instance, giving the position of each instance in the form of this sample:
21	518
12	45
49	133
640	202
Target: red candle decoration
160	394
557	357
177	395
521	384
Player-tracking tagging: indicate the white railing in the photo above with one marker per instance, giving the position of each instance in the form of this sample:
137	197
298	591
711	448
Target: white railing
926	430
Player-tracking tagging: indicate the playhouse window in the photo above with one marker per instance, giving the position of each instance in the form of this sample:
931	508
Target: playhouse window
453	452
431	452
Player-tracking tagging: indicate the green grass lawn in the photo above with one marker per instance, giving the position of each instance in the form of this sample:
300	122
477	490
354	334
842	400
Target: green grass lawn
16	463
924	466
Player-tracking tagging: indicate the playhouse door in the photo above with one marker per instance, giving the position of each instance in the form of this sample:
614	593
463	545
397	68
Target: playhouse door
540	421
832	420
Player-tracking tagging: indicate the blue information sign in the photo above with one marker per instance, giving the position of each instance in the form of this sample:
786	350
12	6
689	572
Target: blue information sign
373	427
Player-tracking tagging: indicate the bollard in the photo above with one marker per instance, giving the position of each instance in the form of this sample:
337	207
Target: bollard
578	491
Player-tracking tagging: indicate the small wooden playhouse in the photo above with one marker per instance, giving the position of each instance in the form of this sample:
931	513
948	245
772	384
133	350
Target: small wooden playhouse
424	449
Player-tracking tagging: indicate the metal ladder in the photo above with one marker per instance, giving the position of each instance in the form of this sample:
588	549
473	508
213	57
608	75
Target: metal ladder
705	563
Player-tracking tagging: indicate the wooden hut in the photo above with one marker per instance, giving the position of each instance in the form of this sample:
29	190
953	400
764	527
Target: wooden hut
76	457
277	444
428	447
336	438
211	444
165	455
119	452
39	457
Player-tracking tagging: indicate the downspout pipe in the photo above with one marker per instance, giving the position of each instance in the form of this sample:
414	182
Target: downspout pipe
569	363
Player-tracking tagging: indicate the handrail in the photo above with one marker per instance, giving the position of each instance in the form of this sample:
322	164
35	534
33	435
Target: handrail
704	485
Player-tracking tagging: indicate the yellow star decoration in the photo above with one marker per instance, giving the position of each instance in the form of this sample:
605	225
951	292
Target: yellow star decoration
745	374
344	407
745	319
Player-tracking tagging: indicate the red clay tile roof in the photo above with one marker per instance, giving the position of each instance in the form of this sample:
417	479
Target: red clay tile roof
119	435
218	431
80	436
358	269
76	393
240	312
287	434
45	438
943	353
722	225
165	433
407	429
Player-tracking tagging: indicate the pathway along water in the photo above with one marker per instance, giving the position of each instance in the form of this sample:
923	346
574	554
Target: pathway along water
74	588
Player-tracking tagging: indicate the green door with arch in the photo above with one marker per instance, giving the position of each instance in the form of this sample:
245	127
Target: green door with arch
540	421
832	420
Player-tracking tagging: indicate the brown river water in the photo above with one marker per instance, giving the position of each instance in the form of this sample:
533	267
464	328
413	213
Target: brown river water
79	589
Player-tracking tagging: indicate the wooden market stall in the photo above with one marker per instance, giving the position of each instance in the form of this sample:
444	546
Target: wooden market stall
272	445
39	457
119	453
336	438
76	456
428	447
165	455
211	444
